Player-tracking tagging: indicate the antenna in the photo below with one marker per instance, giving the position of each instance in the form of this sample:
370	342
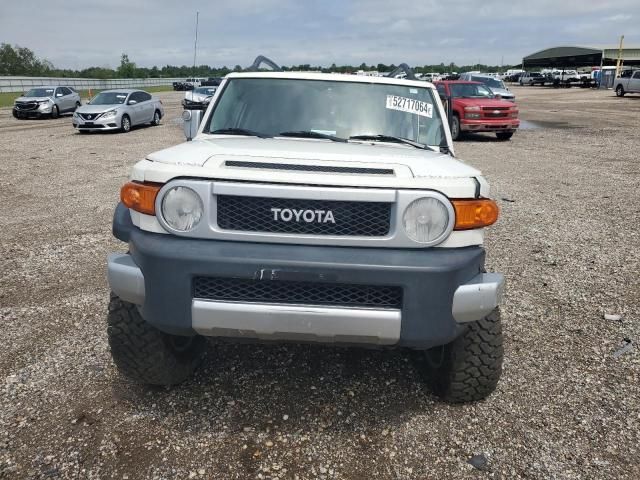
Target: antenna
195	45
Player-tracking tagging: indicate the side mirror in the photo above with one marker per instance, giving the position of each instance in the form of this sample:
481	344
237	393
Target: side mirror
192	119
131	102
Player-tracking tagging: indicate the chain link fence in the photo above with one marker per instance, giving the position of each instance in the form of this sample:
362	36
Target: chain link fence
22	84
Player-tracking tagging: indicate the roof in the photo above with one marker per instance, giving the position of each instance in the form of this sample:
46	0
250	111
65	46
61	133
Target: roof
123	90
564	56
333	77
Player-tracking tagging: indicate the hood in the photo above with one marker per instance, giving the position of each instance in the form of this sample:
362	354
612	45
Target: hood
503	92
196	97
211	153
32	99
482	102
97	108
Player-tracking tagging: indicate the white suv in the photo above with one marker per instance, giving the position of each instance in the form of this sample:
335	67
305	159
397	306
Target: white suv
309	207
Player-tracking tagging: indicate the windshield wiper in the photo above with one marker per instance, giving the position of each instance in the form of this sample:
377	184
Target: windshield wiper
390	138
311	134
240	131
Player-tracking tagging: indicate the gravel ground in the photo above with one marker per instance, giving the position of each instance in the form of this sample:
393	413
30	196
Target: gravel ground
568	241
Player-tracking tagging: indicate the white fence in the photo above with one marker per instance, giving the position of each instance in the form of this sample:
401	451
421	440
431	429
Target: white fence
22	84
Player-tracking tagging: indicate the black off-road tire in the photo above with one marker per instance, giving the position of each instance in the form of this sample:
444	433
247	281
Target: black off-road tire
145	354
468	369
504	135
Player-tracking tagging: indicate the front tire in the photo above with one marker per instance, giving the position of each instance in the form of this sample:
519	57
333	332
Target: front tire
145	354
455	128
78	105
468	369
125	124
55	112
504	135
620	91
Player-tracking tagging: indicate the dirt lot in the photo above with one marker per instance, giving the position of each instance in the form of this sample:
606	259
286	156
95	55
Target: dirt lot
568	241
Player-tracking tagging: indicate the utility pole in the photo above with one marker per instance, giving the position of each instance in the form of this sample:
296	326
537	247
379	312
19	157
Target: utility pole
195	45
619	63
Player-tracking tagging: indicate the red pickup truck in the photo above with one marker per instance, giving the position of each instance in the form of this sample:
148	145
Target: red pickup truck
477	109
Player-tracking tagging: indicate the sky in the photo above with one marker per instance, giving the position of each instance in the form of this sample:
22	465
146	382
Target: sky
159	32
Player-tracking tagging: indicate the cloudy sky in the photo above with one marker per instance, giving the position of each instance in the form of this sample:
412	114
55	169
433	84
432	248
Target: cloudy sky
159	32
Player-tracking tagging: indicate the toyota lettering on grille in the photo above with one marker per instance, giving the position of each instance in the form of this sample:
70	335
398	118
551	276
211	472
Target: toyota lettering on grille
298	215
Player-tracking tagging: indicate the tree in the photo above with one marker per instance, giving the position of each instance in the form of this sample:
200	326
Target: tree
18	60
127	68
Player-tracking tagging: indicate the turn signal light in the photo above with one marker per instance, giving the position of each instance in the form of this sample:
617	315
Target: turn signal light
475	213
140	197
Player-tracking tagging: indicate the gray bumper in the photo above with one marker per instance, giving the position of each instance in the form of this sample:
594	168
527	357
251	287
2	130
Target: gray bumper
471	301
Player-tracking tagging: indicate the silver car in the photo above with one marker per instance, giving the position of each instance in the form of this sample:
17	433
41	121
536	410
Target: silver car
496	85
118	110
198	97
47	101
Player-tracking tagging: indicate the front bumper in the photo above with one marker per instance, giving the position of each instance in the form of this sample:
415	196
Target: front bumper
493	125
43	110
441	288
112	123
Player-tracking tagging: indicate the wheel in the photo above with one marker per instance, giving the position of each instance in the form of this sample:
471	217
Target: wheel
55	112
455	127
620	91
145	354
15	114
531	84
125	124
468	369
156	118
504	135
78	105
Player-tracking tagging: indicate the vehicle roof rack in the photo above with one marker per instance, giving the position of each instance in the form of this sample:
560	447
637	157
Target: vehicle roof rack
403	67
260	59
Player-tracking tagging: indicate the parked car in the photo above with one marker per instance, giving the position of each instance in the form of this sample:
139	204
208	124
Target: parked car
496	85
118	110
308	207
475	108
627	82
532	78
46	101
198	97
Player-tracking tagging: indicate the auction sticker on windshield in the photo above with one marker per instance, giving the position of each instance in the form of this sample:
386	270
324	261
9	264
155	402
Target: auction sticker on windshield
409	105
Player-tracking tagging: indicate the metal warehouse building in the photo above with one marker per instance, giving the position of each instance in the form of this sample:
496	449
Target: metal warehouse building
573	57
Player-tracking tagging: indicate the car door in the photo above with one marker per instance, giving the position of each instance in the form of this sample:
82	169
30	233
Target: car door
58	96
135	109
634	83
147	109
67	98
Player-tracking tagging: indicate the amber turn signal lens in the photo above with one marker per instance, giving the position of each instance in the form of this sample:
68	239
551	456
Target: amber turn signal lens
140	197
475	213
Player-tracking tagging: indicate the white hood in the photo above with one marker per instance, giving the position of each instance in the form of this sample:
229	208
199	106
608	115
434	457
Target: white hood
412	167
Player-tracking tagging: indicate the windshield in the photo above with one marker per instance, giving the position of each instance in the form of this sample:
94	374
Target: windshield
489	82
40	92
271	106
470	90
205	90
109	98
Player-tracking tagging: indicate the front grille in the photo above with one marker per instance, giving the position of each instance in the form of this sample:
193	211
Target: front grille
309	168
311	217
307	293
26	105
89	116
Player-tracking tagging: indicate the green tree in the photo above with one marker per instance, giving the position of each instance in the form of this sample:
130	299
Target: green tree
18	60
127	68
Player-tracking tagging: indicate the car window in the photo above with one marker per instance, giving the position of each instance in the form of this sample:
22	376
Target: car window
135	96
143	96
65	91
441	89
637	74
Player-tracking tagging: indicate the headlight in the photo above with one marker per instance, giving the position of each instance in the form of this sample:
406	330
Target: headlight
182	208
427	220
109	114
43	102
75	115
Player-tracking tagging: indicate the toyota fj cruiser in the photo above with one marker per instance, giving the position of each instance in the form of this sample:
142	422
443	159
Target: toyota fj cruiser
309	207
